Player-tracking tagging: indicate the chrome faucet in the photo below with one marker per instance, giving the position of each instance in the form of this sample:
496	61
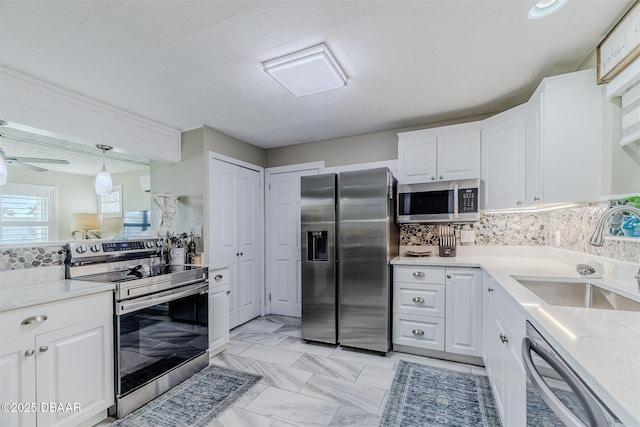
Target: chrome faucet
597	238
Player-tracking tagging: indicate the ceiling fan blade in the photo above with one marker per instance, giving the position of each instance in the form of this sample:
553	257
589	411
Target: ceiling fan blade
13	162
39	160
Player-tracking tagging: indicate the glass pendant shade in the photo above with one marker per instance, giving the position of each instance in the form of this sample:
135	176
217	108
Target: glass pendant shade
3	169
104	184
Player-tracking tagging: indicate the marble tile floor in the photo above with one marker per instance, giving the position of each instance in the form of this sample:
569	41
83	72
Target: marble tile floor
309	384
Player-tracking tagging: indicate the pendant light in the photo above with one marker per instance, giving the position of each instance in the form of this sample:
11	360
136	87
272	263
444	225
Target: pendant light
104	183
3	168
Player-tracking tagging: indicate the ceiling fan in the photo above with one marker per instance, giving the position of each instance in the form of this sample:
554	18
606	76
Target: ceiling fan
25	161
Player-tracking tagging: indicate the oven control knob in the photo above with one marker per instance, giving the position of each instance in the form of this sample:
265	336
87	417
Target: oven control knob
150	244
95	248
160	243
81	249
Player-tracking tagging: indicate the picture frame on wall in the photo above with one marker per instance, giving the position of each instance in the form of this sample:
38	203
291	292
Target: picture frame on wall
620	47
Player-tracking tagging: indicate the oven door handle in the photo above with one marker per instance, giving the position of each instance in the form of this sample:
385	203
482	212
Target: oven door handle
124	308
593	411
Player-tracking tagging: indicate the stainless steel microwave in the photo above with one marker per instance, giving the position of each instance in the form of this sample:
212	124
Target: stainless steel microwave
445	201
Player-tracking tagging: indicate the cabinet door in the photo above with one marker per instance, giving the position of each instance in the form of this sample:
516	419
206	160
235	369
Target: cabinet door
417	157
218	318
459	155
224	226
464	311
18	373
533	168
74	365
503	162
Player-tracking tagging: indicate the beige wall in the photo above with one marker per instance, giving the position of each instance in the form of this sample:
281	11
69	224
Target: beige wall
226	145
364	148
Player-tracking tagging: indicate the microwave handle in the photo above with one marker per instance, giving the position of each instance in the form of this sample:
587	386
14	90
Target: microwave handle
455	201
594	413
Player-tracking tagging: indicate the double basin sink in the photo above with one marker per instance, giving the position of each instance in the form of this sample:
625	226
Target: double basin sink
576	293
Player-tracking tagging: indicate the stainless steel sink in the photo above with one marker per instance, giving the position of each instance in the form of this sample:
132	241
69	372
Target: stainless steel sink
576	293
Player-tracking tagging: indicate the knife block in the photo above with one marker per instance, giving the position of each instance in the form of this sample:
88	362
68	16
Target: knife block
446	251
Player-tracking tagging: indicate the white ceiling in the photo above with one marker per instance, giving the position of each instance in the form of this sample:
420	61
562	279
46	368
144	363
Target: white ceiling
189	63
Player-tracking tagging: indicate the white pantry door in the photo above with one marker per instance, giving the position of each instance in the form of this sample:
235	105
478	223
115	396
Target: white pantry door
283	265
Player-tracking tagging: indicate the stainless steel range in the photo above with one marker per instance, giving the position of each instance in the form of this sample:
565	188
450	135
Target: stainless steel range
161	314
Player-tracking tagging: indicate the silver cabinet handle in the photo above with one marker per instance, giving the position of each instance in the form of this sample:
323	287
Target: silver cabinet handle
433	178
490	289
418	274
43	348
228	292
441	177
449	276
504	338
418	299
34	319
418	332
218	277
29	352
518	202
536	199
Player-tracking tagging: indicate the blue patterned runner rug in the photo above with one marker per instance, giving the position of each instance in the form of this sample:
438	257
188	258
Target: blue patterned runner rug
427	396
194	402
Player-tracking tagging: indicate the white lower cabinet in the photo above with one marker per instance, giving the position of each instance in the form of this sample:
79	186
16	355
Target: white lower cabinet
218	310
56	362
438	308
464	311
504	329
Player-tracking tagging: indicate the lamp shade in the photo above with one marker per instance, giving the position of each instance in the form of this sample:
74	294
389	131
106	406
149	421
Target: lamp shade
86	221
104	184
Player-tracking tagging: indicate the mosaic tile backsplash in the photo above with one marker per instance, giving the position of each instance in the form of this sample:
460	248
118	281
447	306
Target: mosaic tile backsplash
533	229
31	257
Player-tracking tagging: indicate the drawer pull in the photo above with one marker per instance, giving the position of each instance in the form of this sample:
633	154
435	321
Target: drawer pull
43	349
218	277
228	292
29	352
418	274
490	289
34	319
449	276
418	300
418	332
504	338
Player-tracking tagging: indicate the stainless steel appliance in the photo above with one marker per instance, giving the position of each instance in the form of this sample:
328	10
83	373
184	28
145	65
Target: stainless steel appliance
556	396
161	315
349	236
446	201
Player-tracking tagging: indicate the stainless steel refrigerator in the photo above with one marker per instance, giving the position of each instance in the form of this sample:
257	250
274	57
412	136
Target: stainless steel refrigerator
349	237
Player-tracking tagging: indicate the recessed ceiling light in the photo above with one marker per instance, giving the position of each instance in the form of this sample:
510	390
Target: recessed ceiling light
545	8
308	71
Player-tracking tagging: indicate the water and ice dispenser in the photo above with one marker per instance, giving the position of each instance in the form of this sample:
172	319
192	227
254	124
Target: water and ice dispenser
317	246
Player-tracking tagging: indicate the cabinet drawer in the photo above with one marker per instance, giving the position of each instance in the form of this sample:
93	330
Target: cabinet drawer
218	277
419	299
60	314
418	331
419	274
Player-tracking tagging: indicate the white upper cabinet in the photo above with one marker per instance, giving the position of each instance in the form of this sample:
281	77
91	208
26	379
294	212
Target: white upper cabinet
565	139
439	154
503	159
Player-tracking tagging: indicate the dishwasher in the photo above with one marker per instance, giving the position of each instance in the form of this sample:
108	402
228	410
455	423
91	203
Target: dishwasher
556	396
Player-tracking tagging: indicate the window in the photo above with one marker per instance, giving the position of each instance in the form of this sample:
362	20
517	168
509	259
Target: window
27	213
111	204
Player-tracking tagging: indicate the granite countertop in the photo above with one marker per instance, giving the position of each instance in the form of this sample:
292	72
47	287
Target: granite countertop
15	297
602	346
